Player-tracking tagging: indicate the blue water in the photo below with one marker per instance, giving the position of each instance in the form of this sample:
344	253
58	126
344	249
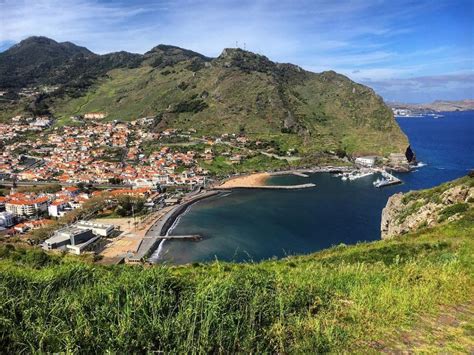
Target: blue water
254	225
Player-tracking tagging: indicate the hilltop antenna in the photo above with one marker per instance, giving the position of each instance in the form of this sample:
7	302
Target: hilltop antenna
236	44
245	45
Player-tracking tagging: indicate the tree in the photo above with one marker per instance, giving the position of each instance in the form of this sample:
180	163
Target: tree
129	205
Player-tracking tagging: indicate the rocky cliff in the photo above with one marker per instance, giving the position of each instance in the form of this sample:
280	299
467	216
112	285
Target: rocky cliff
426	208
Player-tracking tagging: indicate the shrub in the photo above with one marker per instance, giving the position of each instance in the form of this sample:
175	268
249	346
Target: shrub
452	210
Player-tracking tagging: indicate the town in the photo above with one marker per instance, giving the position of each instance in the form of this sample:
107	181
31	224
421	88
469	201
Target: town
55	176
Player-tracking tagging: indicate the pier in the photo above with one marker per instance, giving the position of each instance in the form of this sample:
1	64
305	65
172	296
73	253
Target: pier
389	180
297	173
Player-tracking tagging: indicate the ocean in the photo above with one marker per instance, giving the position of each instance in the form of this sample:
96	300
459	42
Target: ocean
252	225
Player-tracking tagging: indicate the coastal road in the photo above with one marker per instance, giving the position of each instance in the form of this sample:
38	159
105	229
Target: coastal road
42	183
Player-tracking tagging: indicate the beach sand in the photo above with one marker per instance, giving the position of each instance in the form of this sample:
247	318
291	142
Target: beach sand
253	180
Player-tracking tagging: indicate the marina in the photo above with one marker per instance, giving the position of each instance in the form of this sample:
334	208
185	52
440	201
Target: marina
386	180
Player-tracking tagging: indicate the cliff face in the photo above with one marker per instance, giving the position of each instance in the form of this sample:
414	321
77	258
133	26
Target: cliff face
418	209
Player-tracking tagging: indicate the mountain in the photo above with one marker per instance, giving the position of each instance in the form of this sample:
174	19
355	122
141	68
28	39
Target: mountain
437	106
237	92
409	294
42	61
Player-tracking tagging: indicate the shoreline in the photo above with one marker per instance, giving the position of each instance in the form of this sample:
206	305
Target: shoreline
158	230
172	215
258	180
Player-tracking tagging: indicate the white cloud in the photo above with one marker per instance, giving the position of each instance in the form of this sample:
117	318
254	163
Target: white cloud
364	39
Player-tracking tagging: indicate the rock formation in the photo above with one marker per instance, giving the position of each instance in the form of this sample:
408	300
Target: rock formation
418	209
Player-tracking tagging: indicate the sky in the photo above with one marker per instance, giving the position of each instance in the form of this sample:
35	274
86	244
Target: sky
409	51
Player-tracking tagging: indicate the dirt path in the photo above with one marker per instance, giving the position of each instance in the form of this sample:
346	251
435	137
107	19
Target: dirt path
451	331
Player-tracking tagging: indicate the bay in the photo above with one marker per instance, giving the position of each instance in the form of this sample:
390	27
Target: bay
252	225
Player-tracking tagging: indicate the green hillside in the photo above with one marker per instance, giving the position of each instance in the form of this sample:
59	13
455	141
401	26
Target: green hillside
237	92
369	297
323	111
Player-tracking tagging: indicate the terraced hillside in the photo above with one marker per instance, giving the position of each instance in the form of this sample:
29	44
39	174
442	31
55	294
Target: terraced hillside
239	92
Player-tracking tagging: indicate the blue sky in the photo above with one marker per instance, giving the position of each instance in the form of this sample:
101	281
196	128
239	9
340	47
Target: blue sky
413	51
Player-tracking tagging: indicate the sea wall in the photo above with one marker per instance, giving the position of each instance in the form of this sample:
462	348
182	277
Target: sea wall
181	208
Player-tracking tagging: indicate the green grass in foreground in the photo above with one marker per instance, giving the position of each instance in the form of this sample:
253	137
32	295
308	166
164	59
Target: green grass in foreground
343	298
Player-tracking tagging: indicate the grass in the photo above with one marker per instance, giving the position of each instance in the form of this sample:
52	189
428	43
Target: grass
340	299
220	166
452	210
330	112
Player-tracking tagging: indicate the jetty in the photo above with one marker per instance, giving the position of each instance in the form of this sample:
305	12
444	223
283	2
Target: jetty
297	173
389	180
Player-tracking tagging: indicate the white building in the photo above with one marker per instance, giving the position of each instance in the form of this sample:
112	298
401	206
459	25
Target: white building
95	115
6	219
58	208
103	230
27	207
42	122
366	161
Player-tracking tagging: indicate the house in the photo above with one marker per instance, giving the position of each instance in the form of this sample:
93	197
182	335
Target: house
71	191
58	208
27	207
21	228
235	159
368	161
95	115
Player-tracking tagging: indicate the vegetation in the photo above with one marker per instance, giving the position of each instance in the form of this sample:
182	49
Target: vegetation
452	210
238	92
49	188
129	205
346	298
220	166
434	194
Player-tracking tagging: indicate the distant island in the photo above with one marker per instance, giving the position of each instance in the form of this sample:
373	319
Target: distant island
435	106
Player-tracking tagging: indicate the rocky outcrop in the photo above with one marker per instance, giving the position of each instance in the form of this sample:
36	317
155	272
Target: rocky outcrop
418	209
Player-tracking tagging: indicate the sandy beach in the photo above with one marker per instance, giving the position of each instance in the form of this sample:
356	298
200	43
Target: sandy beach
253	180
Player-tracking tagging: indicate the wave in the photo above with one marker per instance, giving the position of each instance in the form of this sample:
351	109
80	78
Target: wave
420	164
155	257
157	253
176	221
